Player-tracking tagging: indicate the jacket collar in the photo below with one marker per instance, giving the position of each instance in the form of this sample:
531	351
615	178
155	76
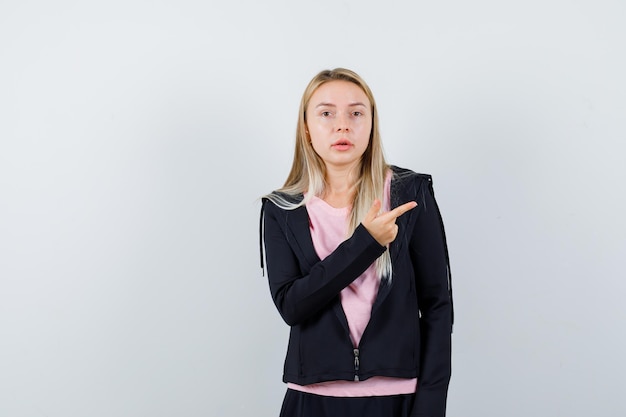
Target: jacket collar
298	223
400	194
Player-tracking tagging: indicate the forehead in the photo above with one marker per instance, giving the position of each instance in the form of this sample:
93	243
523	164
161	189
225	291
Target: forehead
338	93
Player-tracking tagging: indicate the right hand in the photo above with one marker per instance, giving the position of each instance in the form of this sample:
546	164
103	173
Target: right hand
383	226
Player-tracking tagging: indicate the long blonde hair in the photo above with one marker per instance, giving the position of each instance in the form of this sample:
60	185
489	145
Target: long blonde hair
308	171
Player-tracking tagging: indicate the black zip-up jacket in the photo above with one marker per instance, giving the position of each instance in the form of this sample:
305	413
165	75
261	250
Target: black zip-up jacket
409	332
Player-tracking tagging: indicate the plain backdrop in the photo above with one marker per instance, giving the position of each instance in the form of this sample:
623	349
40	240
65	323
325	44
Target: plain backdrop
137	136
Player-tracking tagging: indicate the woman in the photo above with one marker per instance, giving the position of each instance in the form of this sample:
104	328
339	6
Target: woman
357	266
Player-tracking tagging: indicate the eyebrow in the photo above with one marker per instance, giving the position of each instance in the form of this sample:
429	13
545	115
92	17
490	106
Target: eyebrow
358	103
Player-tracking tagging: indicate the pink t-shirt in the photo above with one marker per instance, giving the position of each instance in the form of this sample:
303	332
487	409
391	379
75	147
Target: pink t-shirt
328	227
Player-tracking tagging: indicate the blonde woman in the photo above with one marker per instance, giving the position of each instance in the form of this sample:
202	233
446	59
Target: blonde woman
357	266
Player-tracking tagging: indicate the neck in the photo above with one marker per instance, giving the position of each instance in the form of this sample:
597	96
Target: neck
340	182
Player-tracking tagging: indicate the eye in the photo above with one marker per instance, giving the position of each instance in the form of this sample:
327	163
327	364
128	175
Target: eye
357	113
325	114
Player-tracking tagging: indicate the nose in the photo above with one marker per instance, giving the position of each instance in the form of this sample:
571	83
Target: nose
343	124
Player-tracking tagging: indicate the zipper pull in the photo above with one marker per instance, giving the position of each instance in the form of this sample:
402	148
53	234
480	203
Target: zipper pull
356	365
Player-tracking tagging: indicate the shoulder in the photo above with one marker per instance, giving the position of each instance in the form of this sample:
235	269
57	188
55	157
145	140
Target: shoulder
405	174
409	181
280	198
279	203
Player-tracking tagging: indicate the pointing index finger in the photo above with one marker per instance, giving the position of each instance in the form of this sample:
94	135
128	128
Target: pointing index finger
400	210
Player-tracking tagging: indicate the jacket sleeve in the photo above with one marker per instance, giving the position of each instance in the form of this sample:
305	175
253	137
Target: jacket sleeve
429	255
298	293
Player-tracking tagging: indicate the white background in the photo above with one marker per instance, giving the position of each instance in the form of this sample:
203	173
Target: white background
136	137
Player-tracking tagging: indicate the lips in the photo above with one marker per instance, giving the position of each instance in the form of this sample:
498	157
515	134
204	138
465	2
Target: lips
342	145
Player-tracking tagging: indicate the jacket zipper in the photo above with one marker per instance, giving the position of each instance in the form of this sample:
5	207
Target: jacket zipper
356	365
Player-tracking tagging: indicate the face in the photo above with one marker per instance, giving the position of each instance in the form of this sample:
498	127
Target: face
339	122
